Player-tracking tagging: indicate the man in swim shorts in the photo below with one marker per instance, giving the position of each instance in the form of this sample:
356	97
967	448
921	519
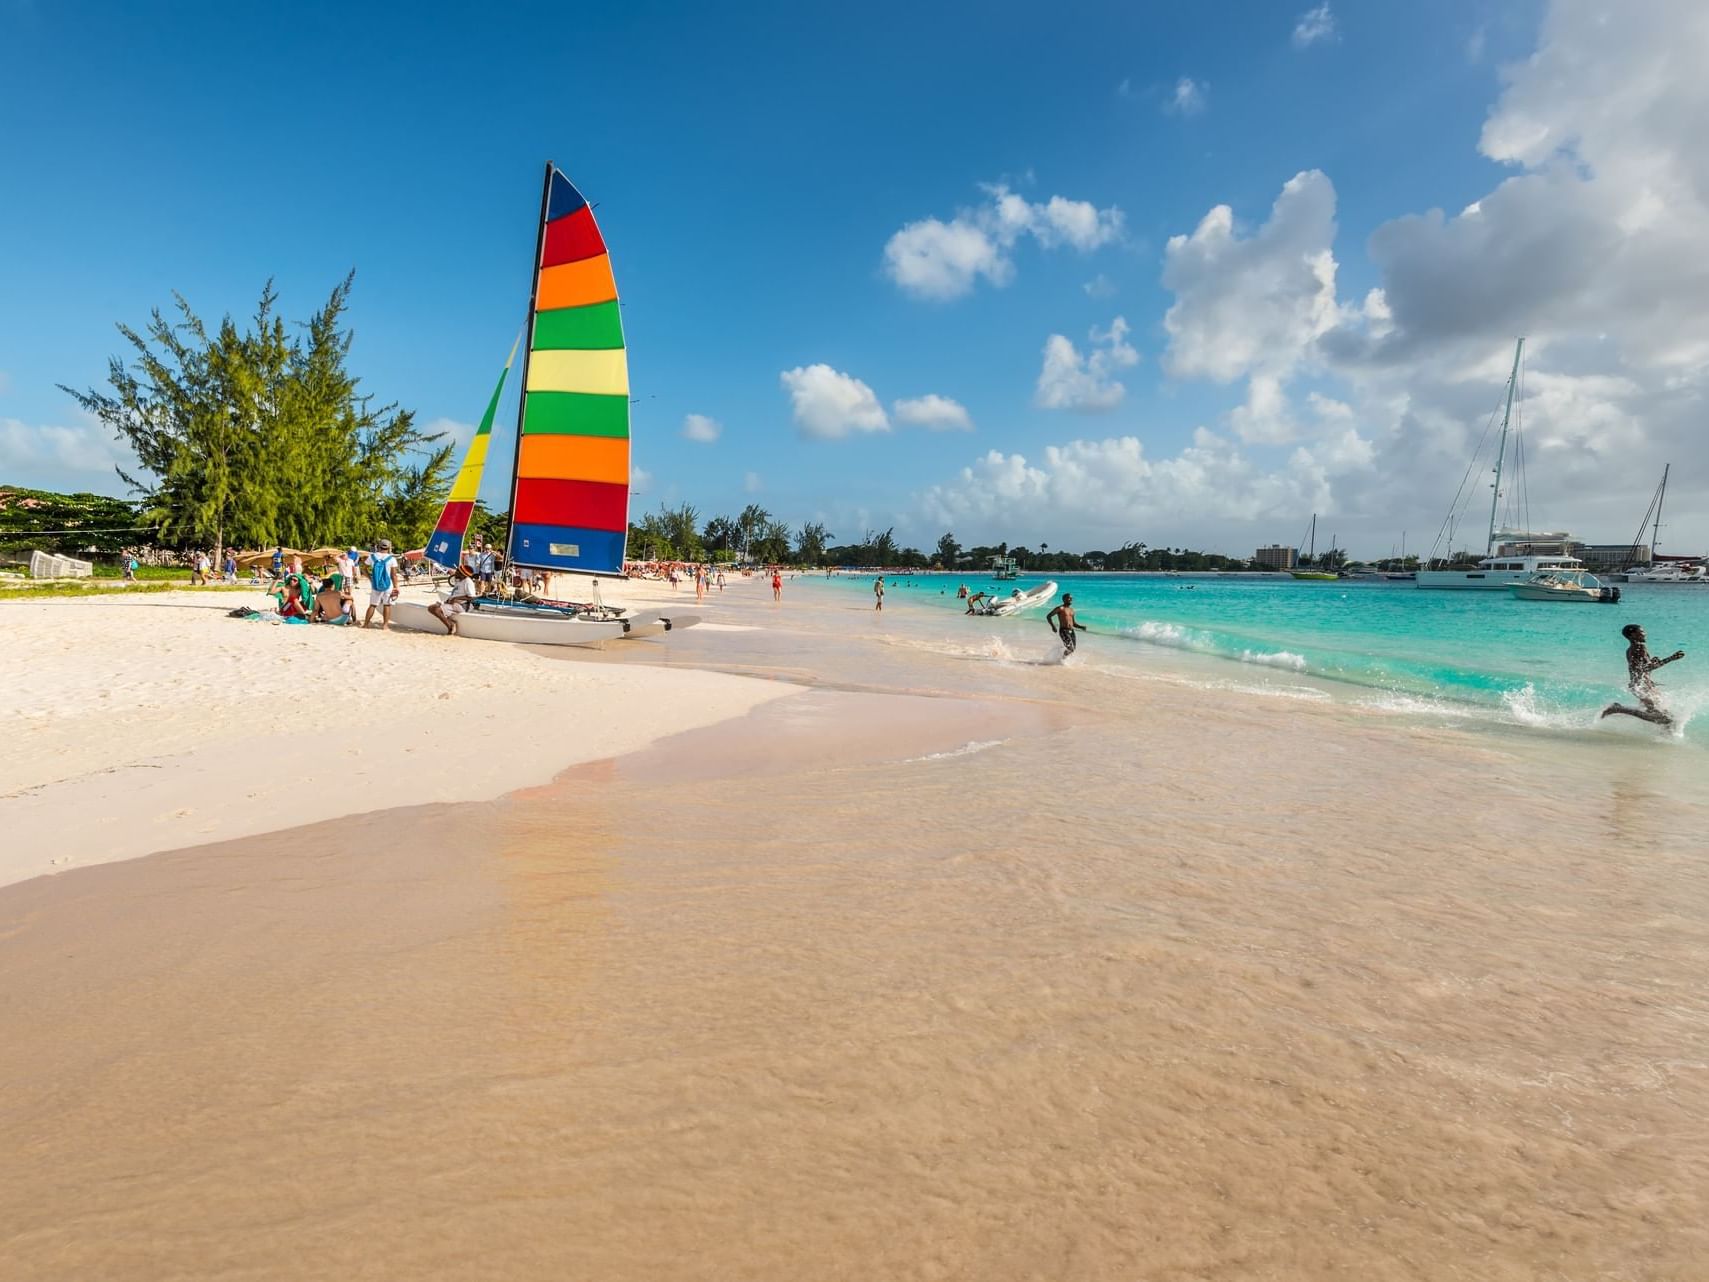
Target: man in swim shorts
382	584
1064	623
1639	665
462	593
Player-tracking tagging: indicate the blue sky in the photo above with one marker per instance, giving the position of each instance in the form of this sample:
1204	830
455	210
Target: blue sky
750	164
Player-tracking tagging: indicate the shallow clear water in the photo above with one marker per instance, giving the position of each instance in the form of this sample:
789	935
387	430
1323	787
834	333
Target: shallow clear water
1542	662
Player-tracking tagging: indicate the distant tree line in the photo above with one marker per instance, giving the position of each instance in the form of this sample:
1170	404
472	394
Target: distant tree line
259	435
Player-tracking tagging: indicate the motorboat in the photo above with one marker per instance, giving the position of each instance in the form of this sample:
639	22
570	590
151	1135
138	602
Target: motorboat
1565	585
1015	603
1669	573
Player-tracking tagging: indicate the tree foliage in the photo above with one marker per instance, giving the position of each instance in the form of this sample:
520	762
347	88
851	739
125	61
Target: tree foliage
257	435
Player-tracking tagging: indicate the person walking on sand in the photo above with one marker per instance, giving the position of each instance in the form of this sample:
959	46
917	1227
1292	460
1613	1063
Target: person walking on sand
1639	665
878	592
382	584
1063	616
777	586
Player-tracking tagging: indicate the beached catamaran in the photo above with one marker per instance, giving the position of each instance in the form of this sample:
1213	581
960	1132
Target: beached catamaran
569	490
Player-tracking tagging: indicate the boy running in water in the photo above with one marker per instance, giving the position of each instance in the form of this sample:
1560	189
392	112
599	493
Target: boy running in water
1065	625
1639	665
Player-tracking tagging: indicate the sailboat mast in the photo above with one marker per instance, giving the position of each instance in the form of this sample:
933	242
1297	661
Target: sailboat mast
1311	555
1501	452
527	351
1661	497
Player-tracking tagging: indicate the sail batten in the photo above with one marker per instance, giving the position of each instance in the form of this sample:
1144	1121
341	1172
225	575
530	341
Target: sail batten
445	545
570	501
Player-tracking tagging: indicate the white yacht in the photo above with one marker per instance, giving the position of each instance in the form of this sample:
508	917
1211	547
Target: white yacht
1510	556
1669	572
1497	573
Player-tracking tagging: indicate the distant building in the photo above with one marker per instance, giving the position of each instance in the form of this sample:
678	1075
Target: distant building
1276	557
1611	556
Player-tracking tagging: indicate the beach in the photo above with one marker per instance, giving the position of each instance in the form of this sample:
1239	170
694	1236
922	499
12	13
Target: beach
814	942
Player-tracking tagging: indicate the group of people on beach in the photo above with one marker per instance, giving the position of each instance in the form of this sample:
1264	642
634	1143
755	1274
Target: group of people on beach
302	597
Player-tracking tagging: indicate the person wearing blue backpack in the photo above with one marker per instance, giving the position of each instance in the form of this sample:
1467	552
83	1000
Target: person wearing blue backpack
382	584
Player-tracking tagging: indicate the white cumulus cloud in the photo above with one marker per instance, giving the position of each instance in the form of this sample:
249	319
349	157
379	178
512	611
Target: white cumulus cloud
830	405
1072	380
1189	97
933	412
700	429
751	482
74	457
1314	26
1116	491
935	259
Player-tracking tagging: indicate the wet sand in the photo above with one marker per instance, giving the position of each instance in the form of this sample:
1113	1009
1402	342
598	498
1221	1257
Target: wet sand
1024	973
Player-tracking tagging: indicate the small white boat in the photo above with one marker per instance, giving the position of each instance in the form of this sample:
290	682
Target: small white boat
1671	573
536	625
1016	601
1565	585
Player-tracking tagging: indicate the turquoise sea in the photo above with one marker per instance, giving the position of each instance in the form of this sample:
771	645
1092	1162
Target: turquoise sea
1454	653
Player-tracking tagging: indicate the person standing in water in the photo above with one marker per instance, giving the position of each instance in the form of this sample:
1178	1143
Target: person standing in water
1063	616
878	592
1639	665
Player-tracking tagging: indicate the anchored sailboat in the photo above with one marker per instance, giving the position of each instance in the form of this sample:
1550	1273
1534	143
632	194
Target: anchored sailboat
1527	554
569	490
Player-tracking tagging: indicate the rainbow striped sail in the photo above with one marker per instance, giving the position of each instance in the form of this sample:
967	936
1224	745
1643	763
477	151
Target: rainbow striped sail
570	507
445	548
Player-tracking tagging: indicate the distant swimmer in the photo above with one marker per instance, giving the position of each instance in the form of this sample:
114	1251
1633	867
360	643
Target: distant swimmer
1639	665
1064	623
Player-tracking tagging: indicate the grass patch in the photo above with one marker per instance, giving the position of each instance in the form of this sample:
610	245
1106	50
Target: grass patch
145	573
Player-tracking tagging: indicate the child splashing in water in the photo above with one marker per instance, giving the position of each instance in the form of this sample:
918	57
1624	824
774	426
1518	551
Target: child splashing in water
1639	665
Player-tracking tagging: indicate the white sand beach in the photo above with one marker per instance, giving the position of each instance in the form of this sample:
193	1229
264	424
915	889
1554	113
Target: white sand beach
154	722
961	961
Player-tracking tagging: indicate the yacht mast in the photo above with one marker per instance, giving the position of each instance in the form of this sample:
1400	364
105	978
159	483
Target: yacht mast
1501	452
1656	531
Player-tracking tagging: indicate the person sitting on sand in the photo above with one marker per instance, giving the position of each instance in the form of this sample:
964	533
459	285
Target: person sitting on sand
1639	665
463	594
1065	625
332	602
291	602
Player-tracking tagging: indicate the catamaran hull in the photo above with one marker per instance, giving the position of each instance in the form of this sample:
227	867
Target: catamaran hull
1471	580
493	625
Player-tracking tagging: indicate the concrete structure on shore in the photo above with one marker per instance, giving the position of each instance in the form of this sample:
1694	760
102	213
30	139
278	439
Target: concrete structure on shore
1276	557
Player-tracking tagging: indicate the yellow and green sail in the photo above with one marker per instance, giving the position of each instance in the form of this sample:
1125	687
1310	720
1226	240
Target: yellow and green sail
445	547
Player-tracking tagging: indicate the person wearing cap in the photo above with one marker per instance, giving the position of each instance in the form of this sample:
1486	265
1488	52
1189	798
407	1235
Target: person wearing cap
382	584
463	593
1639	665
